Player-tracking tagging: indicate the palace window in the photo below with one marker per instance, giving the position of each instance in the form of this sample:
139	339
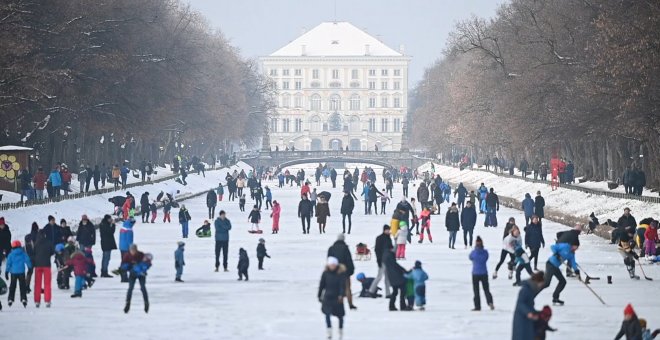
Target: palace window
315	103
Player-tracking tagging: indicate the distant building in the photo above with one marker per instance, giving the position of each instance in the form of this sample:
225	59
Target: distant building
338	86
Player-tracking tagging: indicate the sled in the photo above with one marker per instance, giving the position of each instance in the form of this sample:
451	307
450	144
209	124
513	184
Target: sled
255	231
362	252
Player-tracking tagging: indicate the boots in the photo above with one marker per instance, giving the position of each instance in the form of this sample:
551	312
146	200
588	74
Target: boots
146	307
127	307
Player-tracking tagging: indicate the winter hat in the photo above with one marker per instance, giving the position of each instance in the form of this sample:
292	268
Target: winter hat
2	220
181	243
386	227
360	276
332	261
538	193
403	224
16	244
51	218
59	248
418	264
479	242
628	310
546	313
261	240
341	237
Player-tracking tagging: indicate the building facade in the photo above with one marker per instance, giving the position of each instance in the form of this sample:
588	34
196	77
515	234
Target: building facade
338	87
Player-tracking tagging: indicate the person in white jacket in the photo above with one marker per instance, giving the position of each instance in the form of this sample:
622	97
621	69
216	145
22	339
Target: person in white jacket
401	239
509	245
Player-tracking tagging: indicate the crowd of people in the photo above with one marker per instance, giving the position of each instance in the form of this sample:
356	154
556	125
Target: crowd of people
73	252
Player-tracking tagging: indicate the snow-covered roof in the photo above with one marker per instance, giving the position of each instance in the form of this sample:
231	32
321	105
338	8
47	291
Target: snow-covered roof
14	148
336	39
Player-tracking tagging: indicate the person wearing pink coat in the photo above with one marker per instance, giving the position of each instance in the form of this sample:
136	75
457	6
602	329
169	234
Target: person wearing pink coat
275	214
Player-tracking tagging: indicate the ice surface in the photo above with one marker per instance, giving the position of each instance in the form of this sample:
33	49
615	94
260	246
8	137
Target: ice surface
280	302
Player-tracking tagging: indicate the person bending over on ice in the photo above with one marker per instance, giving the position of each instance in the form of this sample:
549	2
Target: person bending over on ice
510	243
627	250
630	327
366	284
204	230
560	252
523	262
331	294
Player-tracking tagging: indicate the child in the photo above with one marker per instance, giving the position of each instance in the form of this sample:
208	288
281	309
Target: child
241	203
184	219
426	224
204	230
366	284
91	267
522	261
167	208
79	264
269	198
401	239
261	253
472	197
415	219
541	325
255	218
651	236
61	257
277	209
243	264
17	261
410	293
630	327
154	211
419	276
178	260
384	198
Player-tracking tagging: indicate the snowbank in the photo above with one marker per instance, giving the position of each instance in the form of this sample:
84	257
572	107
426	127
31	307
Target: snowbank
20	220
567	201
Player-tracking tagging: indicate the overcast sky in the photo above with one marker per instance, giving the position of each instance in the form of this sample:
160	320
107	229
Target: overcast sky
259	27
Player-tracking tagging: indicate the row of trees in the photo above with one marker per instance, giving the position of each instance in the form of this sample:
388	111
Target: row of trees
102	81
578	78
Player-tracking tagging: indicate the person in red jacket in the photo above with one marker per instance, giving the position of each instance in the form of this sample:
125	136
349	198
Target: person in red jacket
79	263
39	181
651	237
304	191
66	179
126	207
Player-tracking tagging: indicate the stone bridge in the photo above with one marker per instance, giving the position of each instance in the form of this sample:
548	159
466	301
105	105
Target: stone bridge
285	159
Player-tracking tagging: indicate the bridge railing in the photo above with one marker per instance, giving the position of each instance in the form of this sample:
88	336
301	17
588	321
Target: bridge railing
339	153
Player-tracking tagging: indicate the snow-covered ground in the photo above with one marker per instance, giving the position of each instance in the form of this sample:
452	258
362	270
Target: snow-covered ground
12	197
280	302
568	201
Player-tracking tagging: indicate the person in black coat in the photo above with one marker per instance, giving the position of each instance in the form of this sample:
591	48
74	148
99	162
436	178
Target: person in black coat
332	290
305	213
625	224
383	244
452	222
43	251
340	251
373	197
144	207
211	202
86	234
118	202
243	264
395	274
53	231
539	204
534	239
333	177
261	253
630	327
468	221
5	240
347	206
492	206
108	243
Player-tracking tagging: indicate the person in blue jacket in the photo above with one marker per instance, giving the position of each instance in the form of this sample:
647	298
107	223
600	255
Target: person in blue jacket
179	262
125	241
561	252
468	221
55	180
534	239
419	277
17	262
483	192
479	258
365	193
222	228
269	198
525	315
528	208
124	175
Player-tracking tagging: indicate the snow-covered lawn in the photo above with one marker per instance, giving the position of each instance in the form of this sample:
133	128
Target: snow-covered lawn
280	302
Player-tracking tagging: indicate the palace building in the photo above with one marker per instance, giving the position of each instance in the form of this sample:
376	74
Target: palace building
338	87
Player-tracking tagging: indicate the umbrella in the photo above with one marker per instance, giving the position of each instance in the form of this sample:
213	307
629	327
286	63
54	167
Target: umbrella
326	195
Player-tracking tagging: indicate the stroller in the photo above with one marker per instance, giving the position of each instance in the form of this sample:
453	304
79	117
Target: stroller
362	252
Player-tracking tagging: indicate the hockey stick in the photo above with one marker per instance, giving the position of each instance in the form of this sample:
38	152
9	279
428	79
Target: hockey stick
593	292
588	278
642	268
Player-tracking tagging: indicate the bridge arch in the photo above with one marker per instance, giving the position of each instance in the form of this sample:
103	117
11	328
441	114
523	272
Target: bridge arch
324	160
